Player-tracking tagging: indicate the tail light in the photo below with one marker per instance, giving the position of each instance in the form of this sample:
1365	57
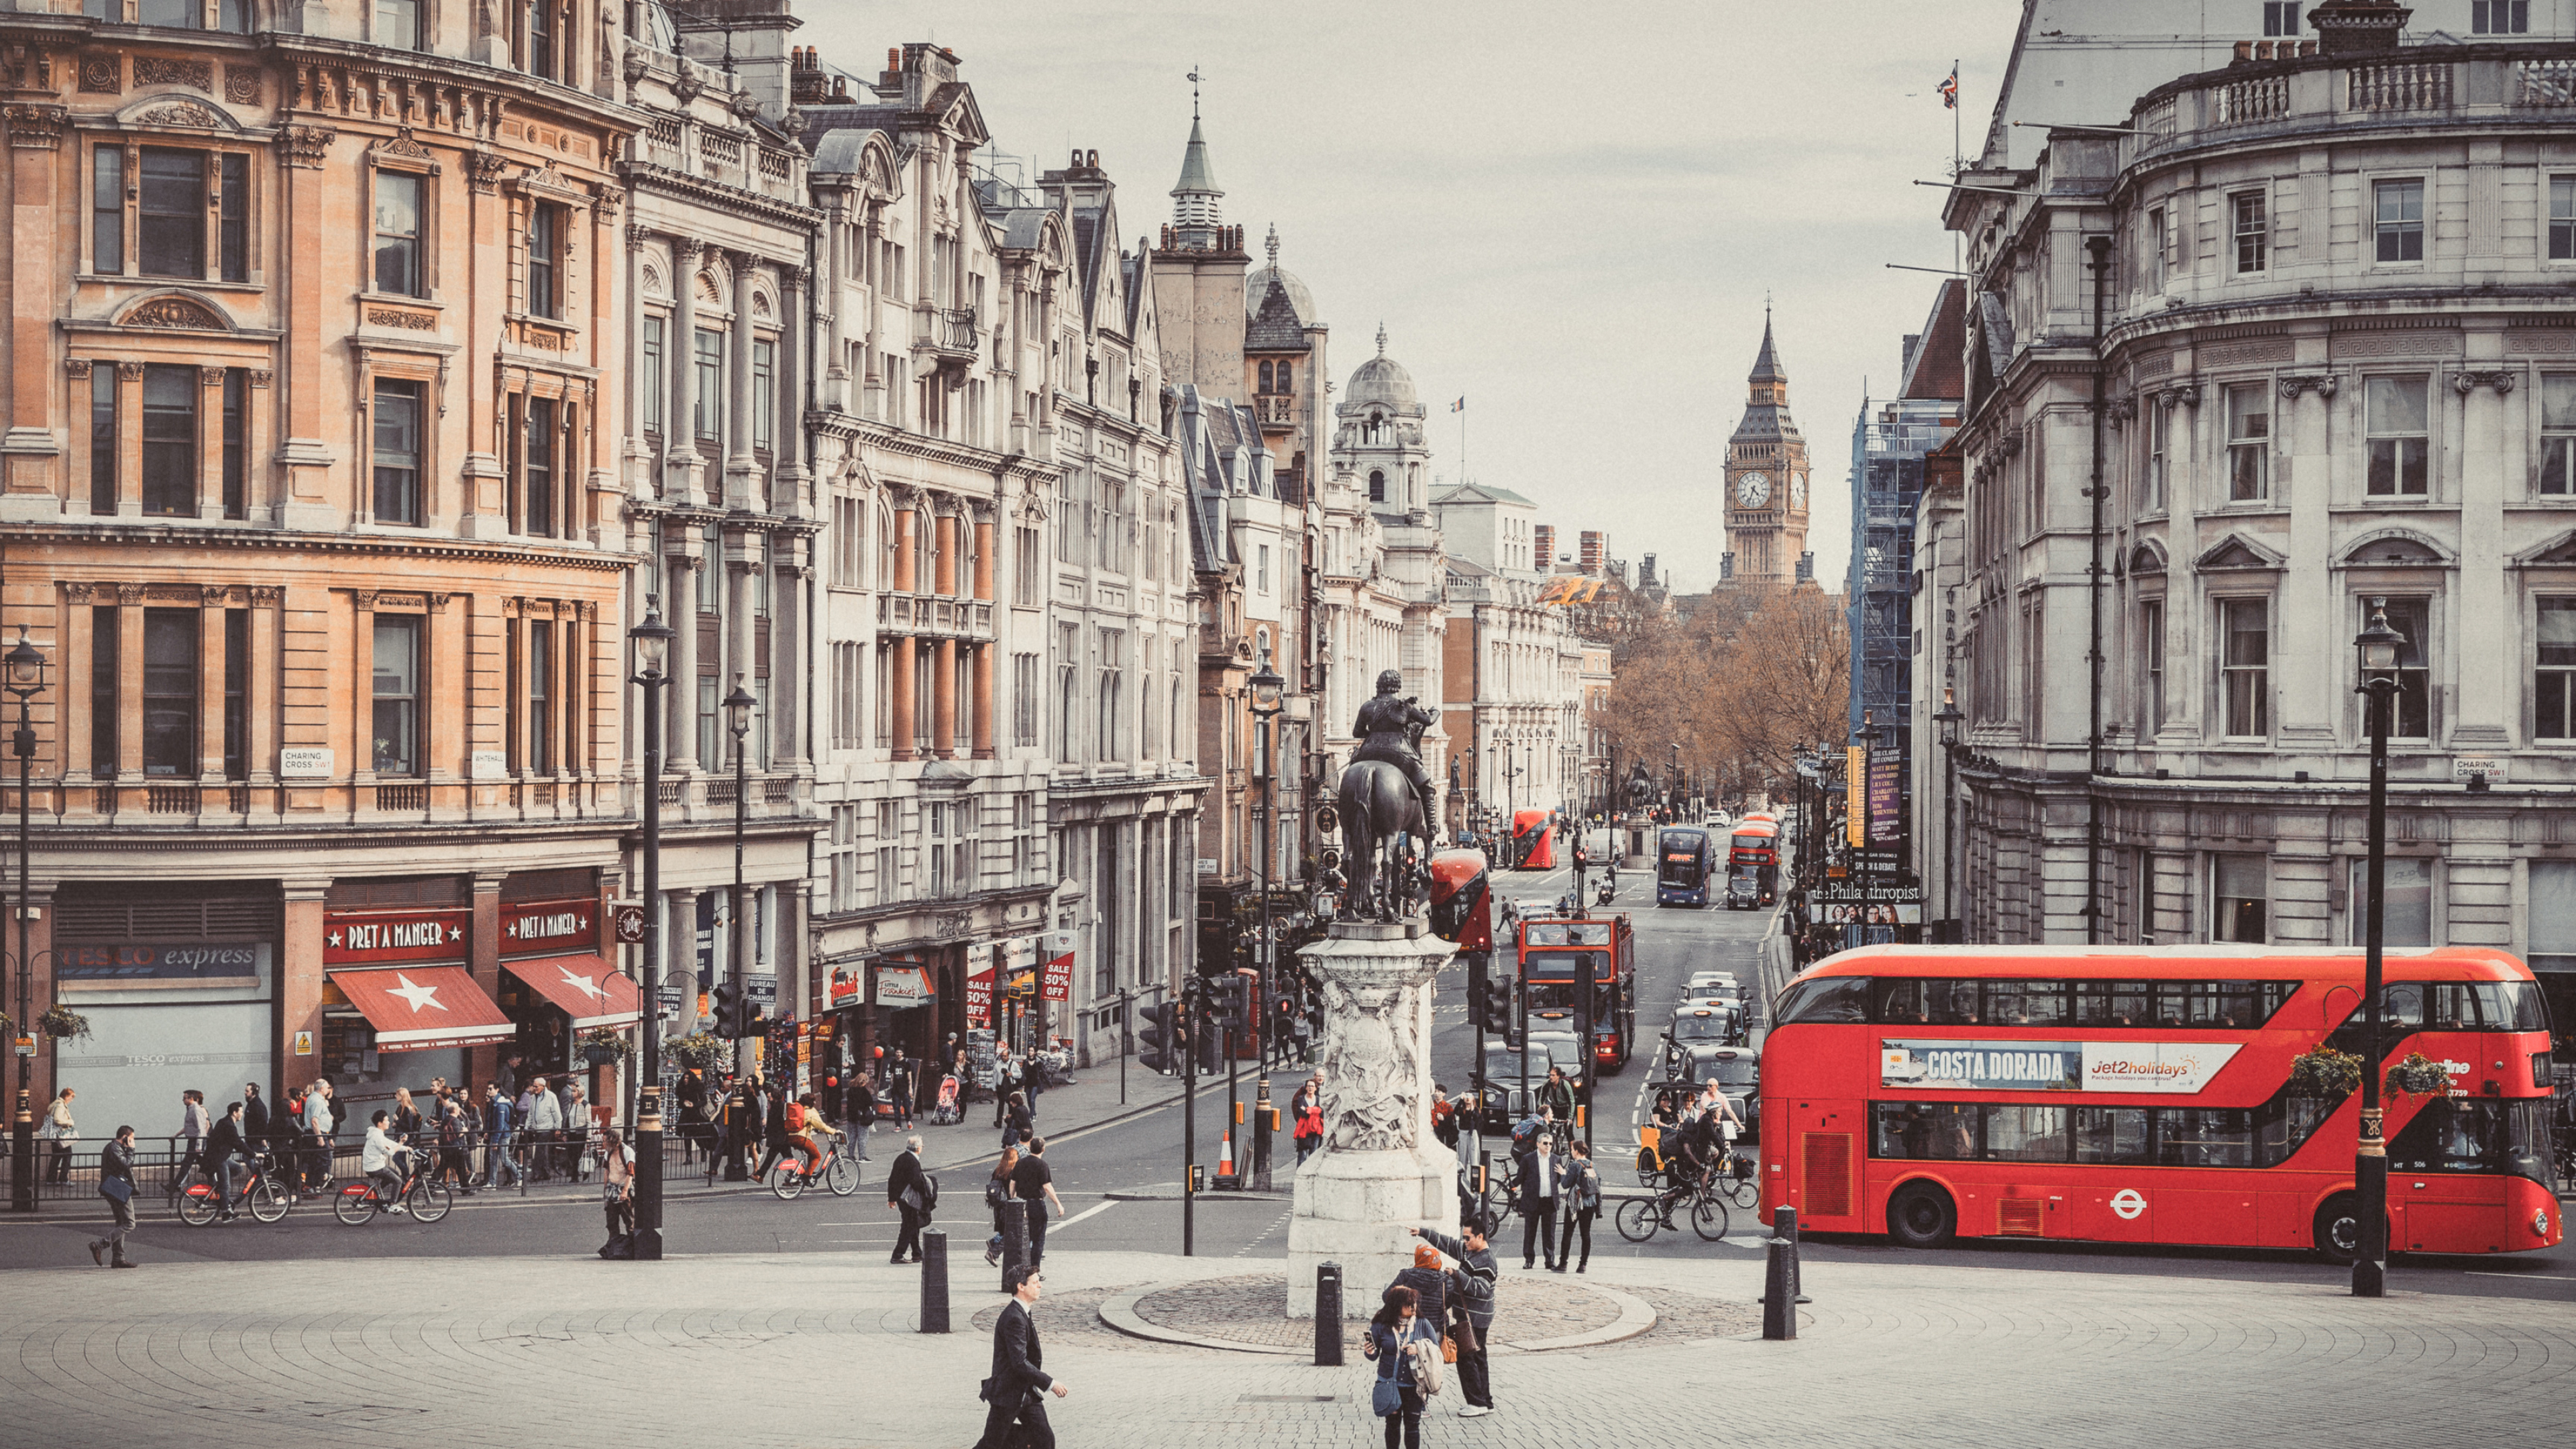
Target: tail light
2543	1072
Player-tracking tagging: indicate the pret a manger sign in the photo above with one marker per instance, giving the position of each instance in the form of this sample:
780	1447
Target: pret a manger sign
2052	1066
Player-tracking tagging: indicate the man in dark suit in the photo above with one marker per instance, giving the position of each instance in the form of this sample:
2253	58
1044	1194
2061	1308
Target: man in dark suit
1019	1385
224	1143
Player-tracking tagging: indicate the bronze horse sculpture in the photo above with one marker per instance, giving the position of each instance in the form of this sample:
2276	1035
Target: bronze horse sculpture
1385	797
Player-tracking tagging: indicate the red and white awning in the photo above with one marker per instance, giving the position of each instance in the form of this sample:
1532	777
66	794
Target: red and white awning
423	1008
585	987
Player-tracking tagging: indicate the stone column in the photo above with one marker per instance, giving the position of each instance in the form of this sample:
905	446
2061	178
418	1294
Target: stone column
680	735
1380	1171
680	957
983	701
790	399
903	705
944	556
741	465
984	552
637	459
683	467
943	701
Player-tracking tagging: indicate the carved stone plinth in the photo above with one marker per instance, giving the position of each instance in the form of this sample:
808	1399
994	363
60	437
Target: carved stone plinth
1636	843
1380	1171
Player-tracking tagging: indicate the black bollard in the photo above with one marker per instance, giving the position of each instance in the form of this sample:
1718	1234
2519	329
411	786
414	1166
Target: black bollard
1789	1230
1780	1278
1328	1315
1015	1238
934	1281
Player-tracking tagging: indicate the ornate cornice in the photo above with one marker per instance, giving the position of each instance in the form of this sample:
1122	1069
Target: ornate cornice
367	545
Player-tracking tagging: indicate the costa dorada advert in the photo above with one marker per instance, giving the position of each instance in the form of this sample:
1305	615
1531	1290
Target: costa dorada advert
2052	1066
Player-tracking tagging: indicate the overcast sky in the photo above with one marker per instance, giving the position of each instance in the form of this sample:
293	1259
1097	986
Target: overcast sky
1567	214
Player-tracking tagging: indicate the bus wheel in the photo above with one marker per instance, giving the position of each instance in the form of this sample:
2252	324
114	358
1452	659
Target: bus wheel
1921	1216
2337	1230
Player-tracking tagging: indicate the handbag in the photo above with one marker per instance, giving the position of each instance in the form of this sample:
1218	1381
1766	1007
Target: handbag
117	1189
1448	1349
1387	1398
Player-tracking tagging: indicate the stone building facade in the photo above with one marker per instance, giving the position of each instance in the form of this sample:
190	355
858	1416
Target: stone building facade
312	504
2335	362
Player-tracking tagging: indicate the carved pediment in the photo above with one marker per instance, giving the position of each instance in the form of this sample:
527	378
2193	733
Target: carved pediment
2558	552
2394	546
2238	552
172	311
2147	558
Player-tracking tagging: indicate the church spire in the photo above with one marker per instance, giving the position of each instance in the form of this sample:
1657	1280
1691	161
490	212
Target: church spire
1766	368
1195	212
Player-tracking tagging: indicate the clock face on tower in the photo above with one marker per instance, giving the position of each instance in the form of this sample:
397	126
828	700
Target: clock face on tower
1798	492
1753	489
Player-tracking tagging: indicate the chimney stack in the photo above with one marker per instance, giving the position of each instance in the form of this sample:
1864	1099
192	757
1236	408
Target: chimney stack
2358	27
1544	539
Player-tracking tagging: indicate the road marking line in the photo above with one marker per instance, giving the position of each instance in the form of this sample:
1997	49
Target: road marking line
1085	1213
2528	1277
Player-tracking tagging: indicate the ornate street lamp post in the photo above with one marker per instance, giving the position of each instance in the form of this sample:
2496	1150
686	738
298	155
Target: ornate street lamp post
26	675
652	640
1948	719
2378	645
737	708
1267	686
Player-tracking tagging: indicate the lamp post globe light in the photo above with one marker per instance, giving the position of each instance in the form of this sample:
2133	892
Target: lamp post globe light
2378	646
652	641
1949	719
25	666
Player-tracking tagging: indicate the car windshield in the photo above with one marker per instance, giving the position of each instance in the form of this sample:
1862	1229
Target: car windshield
1711	1027
1733	1072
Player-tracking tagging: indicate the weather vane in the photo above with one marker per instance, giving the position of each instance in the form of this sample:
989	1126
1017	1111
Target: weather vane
1194	92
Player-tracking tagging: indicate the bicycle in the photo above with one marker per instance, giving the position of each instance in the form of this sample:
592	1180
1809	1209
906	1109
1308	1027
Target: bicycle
427	1199
1743	1182
201	1202
1639	1218
839	1172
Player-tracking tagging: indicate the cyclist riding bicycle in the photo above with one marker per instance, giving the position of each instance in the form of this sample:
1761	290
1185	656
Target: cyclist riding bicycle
804	1120
1556	1095
384	1162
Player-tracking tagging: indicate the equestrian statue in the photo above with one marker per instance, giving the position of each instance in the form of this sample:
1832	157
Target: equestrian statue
1386	795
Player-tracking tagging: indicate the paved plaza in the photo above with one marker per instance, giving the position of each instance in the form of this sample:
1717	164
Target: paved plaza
821	1350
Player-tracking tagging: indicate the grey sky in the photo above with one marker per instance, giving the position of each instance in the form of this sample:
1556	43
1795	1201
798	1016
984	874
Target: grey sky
1568	214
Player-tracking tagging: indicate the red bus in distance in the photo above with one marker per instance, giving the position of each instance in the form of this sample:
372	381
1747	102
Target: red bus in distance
2141	1095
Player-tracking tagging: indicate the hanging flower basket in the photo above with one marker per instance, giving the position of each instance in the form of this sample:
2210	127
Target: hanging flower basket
60	1022
698	1049
604	1046
2419	1076
2324	1072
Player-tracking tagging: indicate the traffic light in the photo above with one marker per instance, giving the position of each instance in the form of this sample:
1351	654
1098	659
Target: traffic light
1493	1004
1232	999
732	1023
1158	1040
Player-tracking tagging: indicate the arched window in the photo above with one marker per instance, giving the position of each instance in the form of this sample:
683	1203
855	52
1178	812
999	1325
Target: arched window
925	550
892	546
1287	377
1377	485
1265	377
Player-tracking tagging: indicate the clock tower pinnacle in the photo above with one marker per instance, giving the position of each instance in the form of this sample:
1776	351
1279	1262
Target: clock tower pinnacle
1766	477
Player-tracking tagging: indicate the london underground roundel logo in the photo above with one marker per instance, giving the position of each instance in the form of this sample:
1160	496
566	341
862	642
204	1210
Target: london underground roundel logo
2128	1204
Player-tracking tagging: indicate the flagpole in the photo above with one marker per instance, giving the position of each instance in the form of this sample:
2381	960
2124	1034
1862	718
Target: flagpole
1958	242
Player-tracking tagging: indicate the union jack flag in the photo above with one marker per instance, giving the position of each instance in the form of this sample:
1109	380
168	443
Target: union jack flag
1459	406
1950	91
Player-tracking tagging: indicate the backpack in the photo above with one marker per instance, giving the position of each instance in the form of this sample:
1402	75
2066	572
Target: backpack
996	1193
795	1116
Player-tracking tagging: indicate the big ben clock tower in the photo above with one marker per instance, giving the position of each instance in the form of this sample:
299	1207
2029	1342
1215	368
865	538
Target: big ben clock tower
1766	478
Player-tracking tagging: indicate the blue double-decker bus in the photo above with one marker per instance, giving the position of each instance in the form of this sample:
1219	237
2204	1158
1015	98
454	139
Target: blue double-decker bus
1685	863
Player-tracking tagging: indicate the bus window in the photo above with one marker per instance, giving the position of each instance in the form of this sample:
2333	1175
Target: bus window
2113	1003
2205	1137
2025	1134
2402	1006
1927	1131
2283	1125
2026	1003
1938	1001
1826	998
2489	1006
2111	1134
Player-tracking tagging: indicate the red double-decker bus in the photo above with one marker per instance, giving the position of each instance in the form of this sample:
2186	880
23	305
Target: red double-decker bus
2141	1095
1552	951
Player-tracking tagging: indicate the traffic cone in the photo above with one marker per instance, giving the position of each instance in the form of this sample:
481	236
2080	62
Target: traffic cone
1225	1177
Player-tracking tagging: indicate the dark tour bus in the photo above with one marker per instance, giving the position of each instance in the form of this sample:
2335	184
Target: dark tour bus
1685	859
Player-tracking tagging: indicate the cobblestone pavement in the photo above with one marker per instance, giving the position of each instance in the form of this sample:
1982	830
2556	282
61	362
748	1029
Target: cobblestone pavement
460	1353
1253	1308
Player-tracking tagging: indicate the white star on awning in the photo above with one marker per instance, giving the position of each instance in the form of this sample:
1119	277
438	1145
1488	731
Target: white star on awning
418	996
582	984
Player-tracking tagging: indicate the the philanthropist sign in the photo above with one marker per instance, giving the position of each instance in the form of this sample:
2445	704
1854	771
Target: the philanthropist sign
2052	1066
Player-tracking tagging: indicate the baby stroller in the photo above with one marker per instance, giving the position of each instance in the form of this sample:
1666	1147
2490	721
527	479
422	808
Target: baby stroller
948	1111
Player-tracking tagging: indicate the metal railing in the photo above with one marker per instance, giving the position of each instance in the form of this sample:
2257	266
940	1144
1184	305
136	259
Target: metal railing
568	1161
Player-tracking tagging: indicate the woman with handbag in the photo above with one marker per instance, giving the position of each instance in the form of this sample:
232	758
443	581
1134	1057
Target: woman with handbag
60	1130
997	1191
1582	1196
1399	1341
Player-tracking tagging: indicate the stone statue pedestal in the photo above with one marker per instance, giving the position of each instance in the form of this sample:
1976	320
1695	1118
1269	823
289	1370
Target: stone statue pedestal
1637	848
1380	1171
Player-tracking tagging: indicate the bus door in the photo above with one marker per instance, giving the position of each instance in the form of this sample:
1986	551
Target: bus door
2117	1202
1818	1170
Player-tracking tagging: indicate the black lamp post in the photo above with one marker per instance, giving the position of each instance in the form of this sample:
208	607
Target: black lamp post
26	674
2378	645
1948	719
652	640
1267	686
737	708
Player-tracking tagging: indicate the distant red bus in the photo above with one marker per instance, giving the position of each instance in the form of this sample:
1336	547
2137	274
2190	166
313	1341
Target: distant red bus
1755	842
2140	1095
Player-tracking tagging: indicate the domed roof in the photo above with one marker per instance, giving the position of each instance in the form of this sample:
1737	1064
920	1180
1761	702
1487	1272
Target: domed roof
1256	289
1382	380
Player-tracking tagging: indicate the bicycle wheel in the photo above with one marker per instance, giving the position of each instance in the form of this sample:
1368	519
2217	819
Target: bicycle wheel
354	1203
267	1202
430	1201
1745	1192
1708	1217
1637	1219
787	1179
197	1205
842	1177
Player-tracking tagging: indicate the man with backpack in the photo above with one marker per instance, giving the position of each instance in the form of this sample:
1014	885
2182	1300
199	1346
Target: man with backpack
913	1193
